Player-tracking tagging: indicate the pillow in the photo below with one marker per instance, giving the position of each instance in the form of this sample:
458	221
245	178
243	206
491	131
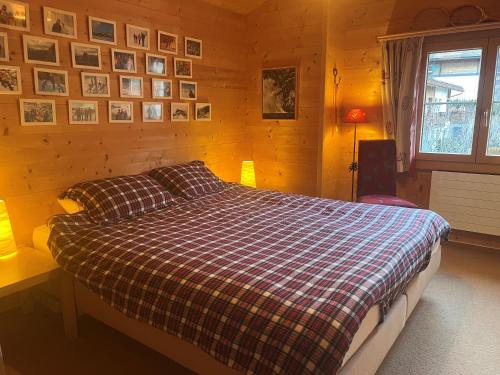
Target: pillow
112	199
70	206
189	180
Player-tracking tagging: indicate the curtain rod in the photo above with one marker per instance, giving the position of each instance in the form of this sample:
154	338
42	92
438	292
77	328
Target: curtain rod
442	31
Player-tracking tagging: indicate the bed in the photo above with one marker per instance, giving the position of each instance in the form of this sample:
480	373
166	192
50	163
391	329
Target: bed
253	281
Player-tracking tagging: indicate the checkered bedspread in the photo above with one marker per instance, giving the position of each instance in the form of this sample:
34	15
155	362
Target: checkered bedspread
264	282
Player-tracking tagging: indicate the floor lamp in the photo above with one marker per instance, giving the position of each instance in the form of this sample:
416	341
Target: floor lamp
354	116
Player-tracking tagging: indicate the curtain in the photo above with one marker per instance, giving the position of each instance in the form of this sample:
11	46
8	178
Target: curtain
400	80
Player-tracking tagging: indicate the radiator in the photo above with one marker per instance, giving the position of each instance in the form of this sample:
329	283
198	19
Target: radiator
470	202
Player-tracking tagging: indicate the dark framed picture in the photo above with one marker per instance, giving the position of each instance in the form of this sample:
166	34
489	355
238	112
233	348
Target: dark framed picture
156	65
161	88
137	37
38	50
37	112
102	30
10	80
193	48
121	112
131	87
59	22
179	112
86	56
279	93
95	85
183	68
152	112
123	61
51	82
203	112
14	15
167	42
83	112
188	90
4	47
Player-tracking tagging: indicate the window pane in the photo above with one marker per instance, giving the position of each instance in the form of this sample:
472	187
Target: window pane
449	110
493	148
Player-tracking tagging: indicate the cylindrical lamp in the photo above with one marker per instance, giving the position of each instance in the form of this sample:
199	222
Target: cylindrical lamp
248	173
7	241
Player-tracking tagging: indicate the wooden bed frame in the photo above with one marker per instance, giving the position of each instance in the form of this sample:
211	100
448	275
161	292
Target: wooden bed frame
78	299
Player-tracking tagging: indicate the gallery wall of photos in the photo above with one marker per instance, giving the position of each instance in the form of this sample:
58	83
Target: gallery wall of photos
167	62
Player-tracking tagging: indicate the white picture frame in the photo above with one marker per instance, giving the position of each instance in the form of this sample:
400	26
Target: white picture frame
4	47
161	88
22	10
188	90
15	84
102	31
50	82
131	87
179	112
32	43
68	22
89	118
152	65
24	106
138	37
200	111
147	115
168	42
113	105
120	62
78	61
183	68
95	85
193	48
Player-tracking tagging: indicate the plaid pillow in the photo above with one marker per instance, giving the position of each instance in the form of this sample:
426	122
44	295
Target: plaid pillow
112	199
189	180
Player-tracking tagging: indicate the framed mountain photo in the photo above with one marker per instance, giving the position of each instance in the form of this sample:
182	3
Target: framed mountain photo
279	93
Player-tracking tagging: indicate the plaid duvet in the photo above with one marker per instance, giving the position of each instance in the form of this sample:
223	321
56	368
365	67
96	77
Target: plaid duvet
265	282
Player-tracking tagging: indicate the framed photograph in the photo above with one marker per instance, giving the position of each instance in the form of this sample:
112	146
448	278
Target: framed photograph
279	88
4	47
51	82
137	37
131	87
37	112
102	31
179	112
121	112
203	112
123	61
152	112
10	80
188	90
14	15
83	112
59	22
95	85
86	56
183	68
167	42
156	65
193	48
161	88
38	50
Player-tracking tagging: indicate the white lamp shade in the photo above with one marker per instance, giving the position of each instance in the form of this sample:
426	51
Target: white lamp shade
248	173
7	241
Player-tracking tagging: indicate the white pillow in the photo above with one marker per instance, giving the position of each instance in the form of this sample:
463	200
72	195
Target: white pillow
70	206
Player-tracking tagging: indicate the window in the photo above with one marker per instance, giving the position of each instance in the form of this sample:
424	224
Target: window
460	107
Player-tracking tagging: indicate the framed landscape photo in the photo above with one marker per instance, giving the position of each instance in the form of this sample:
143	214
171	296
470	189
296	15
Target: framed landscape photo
38	50
193	48
123	61
59	22
152	112
4	47
179	112
167	42
51	82
10	80
161	88
156	65
137	37
37	112
121	112
82	112
279	98
203	112
102	31
86	56
131	87
188	90
95	85
183	68
14	15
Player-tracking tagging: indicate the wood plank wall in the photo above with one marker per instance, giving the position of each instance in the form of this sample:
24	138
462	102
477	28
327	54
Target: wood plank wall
38	163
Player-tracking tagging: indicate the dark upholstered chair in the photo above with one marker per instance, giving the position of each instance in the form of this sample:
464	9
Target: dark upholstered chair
377	174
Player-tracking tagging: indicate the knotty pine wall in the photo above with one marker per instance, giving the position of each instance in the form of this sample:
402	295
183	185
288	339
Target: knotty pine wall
38	163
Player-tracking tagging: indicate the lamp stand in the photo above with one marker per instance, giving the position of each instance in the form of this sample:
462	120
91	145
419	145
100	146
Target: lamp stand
354	165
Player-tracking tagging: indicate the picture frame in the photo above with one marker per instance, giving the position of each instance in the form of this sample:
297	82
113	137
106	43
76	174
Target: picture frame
83	112
123	61
10	80
86	56
137	37
21	10
179	112
59	22
183	68
203	112
95	85
156	65
168	42
188	90
39	50
4	47
131	87
279	93
37	112
102	31
51	82
193	47
161	88
152	112
120	112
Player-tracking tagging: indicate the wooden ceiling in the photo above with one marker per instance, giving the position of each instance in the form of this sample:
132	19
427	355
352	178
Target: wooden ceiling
237	6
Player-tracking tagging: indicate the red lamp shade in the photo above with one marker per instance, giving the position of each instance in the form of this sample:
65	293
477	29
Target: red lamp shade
355	116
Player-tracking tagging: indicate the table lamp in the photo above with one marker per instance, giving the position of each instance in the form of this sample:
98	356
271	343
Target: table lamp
7	241
248	173
354	116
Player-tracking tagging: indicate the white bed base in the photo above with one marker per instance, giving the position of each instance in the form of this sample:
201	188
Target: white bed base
78	299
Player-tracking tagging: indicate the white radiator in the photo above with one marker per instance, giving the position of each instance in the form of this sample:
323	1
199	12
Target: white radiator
469	202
